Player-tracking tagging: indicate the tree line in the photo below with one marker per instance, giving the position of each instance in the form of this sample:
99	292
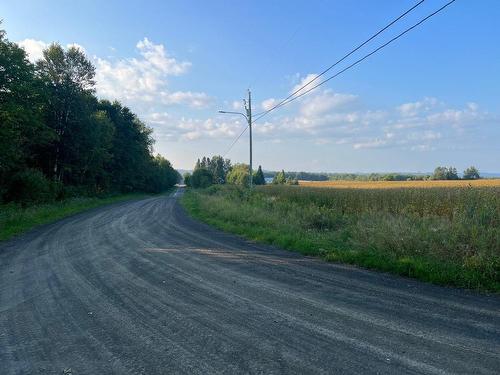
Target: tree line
440	173
57	139
217	171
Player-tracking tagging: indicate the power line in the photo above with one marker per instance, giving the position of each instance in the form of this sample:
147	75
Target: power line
345	56
234	142
290	99
260	115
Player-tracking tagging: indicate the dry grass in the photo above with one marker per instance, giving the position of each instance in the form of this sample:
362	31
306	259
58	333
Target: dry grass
344	184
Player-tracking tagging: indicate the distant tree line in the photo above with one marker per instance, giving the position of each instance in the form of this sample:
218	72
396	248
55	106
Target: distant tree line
58	139
440	173
308	176
450	173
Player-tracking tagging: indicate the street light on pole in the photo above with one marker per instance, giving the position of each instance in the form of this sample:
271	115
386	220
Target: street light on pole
248	117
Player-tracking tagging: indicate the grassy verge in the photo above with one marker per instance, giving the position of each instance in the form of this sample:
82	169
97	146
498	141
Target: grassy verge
15	219
444	236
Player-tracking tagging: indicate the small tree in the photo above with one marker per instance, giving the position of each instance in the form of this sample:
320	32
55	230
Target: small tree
280	178
258	177
201	178
439	173
451	174
187	179
471	173
239	175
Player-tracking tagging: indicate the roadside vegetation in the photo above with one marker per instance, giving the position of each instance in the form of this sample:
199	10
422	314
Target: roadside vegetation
16	219
444	235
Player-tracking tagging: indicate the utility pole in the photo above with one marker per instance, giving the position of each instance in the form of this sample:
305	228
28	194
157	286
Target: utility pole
248	117
248	107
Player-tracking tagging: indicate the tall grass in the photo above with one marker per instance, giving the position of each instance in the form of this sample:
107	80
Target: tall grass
443	235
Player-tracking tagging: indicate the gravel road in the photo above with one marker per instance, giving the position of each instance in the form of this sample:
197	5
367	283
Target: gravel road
141	288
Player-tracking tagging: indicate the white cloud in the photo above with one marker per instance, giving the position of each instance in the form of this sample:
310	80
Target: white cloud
77	46
375	143
34	48
237	105
415	108
192	129
326	101
308	82
269	103
144	79
193	99
156	56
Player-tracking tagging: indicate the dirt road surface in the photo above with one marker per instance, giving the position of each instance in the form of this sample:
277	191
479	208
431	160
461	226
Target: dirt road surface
141	288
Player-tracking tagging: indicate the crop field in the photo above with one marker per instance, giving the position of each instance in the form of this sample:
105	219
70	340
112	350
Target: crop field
442	234
344	184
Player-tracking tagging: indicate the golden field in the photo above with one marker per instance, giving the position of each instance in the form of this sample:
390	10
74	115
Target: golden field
345	184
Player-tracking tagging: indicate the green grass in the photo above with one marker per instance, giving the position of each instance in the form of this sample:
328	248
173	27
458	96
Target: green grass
447	236
16	219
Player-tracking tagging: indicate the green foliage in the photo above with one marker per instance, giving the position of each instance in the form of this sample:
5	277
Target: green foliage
471	173
30	186
443	173
201	178
187	179
258	177
279	178
442	235
22	129
239	175
161	175
52	122
217	165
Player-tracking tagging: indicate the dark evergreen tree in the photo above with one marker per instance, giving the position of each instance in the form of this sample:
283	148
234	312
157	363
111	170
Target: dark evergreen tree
258	178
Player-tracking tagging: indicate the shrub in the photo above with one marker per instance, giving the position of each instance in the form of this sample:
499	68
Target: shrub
187	179
239	175
31	186
201	178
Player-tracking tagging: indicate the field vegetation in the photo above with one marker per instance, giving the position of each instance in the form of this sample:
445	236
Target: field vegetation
356	184
446	233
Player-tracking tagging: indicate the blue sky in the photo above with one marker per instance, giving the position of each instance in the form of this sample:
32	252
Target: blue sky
431	98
